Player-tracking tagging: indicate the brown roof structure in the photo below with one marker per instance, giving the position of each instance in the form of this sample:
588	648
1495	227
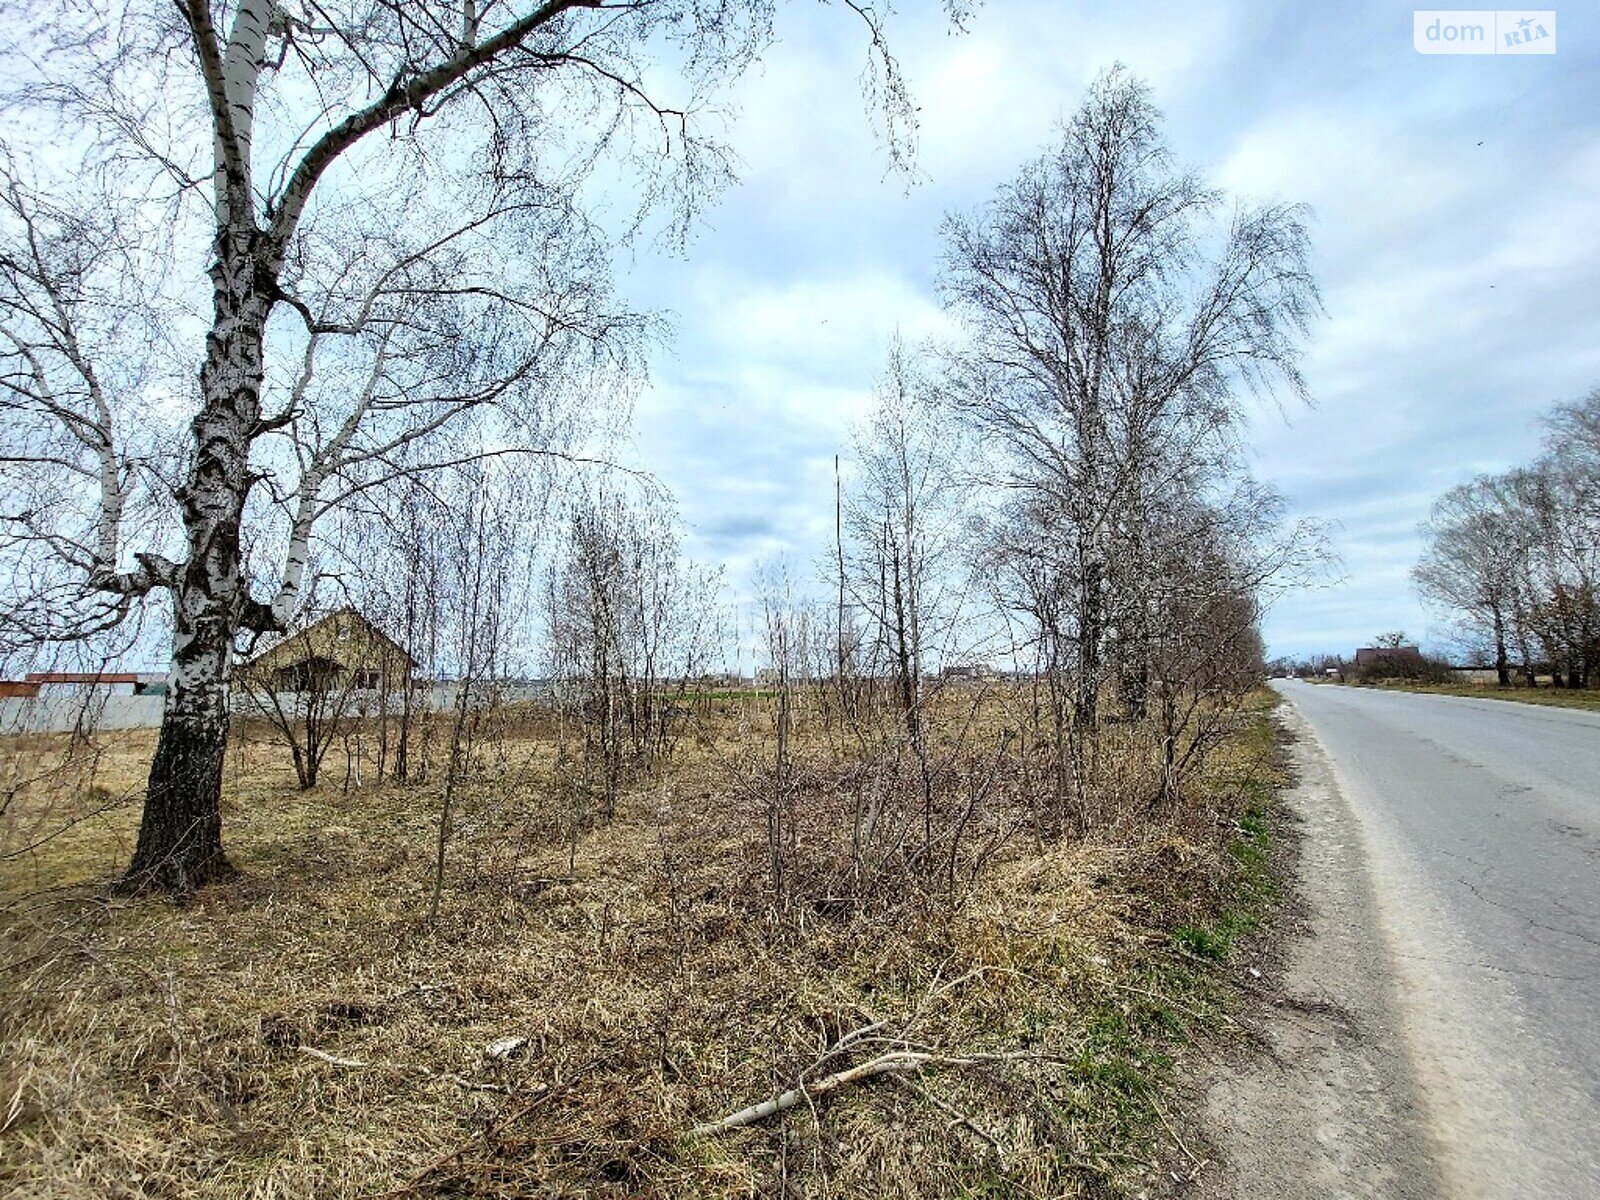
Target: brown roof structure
80	677
328	651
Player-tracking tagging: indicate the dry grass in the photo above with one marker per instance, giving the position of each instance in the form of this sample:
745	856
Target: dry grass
304	1032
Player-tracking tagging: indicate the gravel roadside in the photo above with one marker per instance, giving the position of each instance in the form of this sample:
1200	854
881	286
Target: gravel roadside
1320	1101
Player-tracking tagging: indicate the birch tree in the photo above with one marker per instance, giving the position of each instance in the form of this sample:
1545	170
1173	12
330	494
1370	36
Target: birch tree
387	201
1108	354
1470	566
1515	558
902	514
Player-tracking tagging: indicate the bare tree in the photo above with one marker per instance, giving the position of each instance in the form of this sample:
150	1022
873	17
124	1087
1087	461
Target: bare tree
902	515
482	536
394	241
1469	565
632	627
786	634
1107	353
1515	558
1570	507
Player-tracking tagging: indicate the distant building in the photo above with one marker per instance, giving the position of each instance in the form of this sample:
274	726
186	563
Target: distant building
81	684
967	671
342	651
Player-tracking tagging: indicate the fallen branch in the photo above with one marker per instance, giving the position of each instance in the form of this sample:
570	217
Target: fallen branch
895	1061
905	1059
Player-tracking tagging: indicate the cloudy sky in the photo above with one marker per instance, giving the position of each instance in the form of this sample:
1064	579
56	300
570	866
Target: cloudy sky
1457	231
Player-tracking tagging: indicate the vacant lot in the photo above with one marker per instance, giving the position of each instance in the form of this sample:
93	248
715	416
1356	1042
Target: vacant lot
996	1019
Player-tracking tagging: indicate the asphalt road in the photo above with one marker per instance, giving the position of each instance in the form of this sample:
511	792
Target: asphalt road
1479	826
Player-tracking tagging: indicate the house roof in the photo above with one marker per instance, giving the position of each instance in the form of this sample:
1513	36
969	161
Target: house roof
330	618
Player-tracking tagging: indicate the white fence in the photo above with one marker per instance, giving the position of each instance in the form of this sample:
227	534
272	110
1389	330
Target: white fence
96	709
64	713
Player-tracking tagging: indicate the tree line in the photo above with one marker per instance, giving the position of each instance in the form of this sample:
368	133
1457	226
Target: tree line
1514	558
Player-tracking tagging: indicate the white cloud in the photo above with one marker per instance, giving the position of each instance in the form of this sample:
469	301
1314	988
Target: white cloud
1457	237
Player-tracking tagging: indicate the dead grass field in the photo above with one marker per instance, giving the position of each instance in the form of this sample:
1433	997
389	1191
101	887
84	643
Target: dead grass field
579	1008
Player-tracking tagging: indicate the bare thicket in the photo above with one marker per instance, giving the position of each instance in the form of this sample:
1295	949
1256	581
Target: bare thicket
386	201
1216	566
485	572
405	534
312	712
903	516
633	630
786	629
1515	558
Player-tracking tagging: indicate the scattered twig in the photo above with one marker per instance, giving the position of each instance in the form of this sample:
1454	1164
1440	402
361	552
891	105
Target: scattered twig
1199	1163
957	1117
486	1135
462	1081
427	1072
324	1056
1171	1003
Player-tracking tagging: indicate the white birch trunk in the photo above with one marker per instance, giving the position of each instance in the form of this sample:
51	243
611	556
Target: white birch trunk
180	837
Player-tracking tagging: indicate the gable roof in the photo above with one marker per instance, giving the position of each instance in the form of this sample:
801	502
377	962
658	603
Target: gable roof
308	633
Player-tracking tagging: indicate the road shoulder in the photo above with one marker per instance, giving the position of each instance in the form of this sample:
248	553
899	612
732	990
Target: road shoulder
1319	1099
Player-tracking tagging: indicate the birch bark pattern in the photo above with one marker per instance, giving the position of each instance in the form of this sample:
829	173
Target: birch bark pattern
180	836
